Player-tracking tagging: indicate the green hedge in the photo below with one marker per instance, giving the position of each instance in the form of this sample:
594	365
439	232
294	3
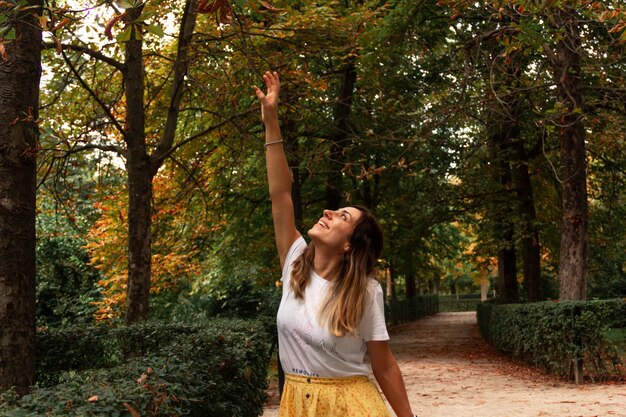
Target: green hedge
214	368
401	311
95	347
449	305
554	335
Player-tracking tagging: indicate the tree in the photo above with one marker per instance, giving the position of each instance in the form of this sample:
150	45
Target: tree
408	138
20	71
144	154
565	62
556	96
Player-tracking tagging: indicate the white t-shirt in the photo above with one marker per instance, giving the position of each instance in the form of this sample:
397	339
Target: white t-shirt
308	349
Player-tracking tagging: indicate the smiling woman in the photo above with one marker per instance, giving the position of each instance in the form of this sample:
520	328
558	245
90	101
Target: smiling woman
332	311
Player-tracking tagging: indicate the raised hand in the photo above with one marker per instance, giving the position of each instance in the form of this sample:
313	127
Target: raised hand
269	99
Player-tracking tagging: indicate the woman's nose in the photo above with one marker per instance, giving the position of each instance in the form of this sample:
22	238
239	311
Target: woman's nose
328	214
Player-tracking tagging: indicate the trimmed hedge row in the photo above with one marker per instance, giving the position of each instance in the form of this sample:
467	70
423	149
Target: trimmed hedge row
449	305
214	368
556	336
402	311
96	347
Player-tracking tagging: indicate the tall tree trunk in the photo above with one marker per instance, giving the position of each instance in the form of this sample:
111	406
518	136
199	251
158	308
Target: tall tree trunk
436	283
339	135
139	171
504	231
514	148
503	129
141	166
531	251
410	285
20	73
566	64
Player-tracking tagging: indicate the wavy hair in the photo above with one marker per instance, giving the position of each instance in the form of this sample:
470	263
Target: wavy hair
342	309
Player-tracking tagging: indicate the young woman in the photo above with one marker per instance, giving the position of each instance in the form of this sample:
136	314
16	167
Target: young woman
331	311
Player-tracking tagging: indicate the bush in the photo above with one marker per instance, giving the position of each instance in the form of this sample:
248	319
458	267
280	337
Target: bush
66	282
215	368
404	310
553	335
233	299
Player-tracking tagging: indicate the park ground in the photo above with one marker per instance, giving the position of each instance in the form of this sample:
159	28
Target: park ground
450	371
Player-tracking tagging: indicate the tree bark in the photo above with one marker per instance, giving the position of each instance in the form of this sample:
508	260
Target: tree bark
139	169
410	285
503	129
501	212
141	166
20	73
531	250
339	135
566	64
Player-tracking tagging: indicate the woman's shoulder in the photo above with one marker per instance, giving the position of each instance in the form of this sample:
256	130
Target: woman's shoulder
373	287
296	249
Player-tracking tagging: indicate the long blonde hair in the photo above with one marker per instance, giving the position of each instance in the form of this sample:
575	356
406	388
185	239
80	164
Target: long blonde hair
342	309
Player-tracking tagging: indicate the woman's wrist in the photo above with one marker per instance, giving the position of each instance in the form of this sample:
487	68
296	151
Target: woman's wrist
273	142
270	121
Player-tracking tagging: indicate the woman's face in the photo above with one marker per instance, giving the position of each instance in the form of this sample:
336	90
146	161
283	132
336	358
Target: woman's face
333	230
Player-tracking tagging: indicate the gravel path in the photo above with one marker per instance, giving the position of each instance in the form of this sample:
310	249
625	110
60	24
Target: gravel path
450	371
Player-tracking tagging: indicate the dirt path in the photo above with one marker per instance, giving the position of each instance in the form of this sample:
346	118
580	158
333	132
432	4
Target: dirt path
450	372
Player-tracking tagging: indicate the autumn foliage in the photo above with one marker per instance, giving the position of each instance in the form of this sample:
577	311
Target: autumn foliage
173	261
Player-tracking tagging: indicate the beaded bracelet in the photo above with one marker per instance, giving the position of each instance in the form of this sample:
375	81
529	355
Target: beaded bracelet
272	143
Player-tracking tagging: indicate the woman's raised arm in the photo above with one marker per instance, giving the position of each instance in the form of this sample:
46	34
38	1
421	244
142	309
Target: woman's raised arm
279	175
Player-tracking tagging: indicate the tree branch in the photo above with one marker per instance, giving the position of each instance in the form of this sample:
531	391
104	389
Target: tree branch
88	51
206	131
476	41
94	95
108	148
180	69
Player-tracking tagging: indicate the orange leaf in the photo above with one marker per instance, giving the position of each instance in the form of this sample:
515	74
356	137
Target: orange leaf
108	29
142	379
205	7
132	410
267	6
60	24
57	44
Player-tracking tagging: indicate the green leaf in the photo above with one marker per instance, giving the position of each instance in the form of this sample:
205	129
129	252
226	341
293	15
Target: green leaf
10	35
125	35
137	34
157	30
144	16
125	4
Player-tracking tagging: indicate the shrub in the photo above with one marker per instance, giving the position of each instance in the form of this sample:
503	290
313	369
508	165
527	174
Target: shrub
404	310
215	368
66	283
553	335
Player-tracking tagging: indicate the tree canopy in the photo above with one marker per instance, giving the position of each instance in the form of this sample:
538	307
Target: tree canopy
460	124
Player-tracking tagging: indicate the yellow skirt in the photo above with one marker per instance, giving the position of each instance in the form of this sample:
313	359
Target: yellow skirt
356	396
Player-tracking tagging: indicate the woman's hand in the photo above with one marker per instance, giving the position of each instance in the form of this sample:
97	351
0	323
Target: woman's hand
269	100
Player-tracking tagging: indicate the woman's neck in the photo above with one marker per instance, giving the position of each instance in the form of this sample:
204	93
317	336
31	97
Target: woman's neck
326	265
